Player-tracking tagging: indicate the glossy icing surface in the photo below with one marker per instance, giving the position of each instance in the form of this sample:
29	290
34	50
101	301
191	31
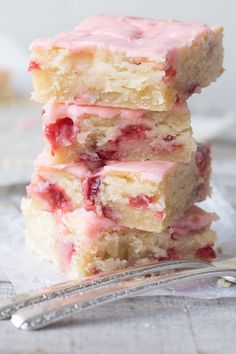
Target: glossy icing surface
193	220
137	37
78	169
91	225
54	111
151	170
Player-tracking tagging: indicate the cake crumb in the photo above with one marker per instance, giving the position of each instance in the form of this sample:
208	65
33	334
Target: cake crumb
222	283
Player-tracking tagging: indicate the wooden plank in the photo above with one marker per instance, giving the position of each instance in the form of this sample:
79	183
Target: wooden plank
137	325
213	324
6	287
155	324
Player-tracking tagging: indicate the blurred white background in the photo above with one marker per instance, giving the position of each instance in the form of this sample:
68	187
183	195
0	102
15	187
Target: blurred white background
27	19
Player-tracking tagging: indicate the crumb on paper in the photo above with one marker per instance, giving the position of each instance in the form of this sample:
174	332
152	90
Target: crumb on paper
222	283
219	250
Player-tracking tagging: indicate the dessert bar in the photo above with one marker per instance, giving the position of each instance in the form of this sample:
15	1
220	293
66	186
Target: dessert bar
75	132
146	195
127	62
81	243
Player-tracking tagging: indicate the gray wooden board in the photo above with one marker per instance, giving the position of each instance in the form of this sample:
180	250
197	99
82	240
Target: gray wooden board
163	325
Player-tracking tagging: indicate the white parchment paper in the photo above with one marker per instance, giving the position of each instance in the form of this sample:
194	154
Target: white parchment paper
27	272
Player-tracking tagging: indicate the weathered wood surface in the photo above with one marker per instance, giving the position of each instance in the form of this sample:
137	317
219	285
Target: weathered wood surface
142	325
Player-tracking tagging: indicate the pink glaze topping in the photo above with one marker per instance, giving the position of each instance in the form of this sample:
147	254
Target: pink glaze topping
152	170
55	196
78	169
193	220
54	111
65	251
91	225
137	37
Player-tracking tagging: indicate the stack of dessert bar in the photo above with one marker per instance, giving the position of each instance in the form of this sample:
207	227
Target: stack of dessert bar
117	181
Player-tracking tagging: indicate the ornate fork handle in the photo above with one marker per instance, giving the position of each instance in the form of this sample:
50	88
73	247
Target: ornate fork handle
17	302
58	309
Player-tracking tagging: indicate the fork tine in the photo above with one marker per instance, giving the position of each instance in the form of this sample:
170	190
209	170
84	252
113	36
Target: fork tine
17	302
58	309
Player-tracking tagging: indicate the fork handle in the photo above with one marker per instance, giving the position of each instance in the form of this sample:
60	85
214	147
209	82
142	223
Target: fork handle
58	309
17	302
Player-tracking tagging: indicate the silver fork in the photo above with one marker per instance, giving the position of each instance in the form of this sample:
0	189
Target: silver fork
55	310
16	302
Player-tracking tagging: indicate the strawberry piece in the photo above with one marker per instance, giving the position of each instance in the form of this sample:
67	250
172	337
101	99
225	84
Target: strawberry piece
170	72
33	65
173	254
203	158
90	188
140	201
54	195
169	137
107	211
191	89
160	215
61	133
108	154
134	132
206	252
57	198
